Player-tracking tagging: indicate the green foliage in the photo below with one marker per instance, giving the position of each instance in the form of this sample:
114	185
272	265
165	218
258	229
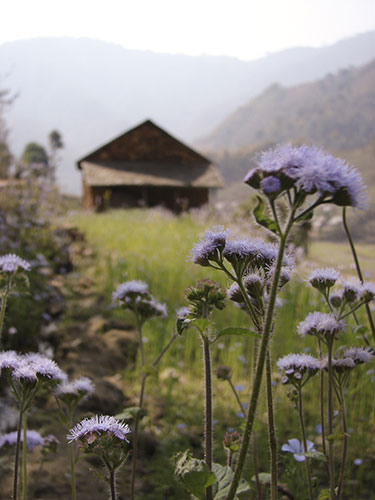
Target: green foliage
34	153
194	473
262	218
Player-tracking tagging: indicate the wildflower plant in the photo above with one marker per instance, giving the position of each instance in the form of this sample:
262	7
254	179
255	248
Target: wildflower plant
106	437
135	296
299	179
26	375
68	396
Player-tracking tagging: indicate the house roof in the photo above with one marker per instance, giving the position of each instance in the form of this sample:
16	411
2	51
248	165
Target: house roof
148	155
151	174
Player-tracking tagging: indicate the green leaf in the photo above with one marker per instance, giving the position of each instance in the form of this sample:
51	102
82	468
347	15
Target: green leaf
264	478
224	476
200	323
316	455
324	495
262	218
182	324
194	474
244	332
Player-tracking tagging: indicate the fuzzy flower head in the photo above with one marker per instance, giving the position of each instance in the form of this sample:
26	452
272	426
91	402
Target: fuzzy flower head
270	186
322	325
9	361
310	170
11	263
74	391
359	354
45	369
296	366
323	279
130	290
104	436
33	439
209	247
368	291
339	365
298	449
351	291
232	441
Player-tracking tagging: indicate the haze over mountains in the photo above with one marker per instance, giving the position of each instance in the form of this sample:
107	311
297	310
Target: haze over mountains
92	91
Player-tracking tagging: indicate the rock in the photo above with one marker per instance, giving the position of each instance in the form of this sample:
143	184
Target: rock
123	344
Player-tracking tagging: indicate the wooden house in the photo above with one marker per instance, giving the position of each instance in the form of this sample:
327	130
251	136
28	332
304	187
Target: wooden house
146	166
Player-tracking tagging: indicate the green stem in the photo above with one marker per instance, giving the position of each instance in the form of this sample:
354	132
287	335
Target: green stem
4	298
112	484
255	447
172	339
331	463
272	440
237	397
260	364
345	444
303	430
208	413
16	459
140	405
358	268
24	456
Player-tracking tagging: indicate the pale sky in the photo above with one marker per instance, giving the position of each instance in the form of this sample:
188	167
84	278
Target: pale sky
247	29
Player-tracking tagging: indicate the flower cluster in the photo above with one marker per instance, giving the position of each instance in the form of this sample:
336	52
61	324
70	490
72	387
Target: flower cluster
296	366
11	263
323	325
33	439
308	170
135	296
30	368
204	297
74	391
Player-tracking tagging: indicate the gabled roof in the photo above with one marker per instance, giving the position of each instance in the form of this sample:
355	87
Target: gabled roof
146	142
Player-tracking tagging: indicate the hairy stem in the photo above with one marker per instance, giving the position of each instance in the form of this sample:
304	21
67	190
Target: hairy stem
112	484
208	413
358	269
140	405
260	364
272	440
345	444
331	463
16	459
3	308
24	456
255	447
303	430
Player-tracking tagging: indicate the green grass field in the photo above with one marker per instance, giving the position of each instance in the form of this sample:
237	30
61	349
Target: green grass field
154	247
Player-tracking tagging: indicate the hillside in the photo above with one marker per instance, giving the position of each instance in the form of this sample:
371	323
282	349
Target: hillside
92	91
336	112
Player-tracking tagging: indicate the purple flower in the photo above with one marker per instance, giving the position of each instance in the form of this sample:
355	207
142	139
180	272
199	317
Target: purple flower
338	364
24	373
209	246
44	367
296	365
321	324
130	290
359	354
358	461
241	250
99	424
33	439
298	449
11	263
313	171
323	278
9	360
270	185
77	388
368	291
351	291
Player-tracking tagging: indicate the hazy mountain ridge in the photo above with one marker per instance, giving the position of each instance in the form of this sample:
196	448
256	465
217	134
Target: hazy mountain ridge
336	112
92	91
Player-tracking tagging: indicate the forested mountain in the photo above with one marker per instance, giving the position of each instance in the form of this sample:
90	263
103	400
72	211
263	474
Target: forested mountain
336	112
92	91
